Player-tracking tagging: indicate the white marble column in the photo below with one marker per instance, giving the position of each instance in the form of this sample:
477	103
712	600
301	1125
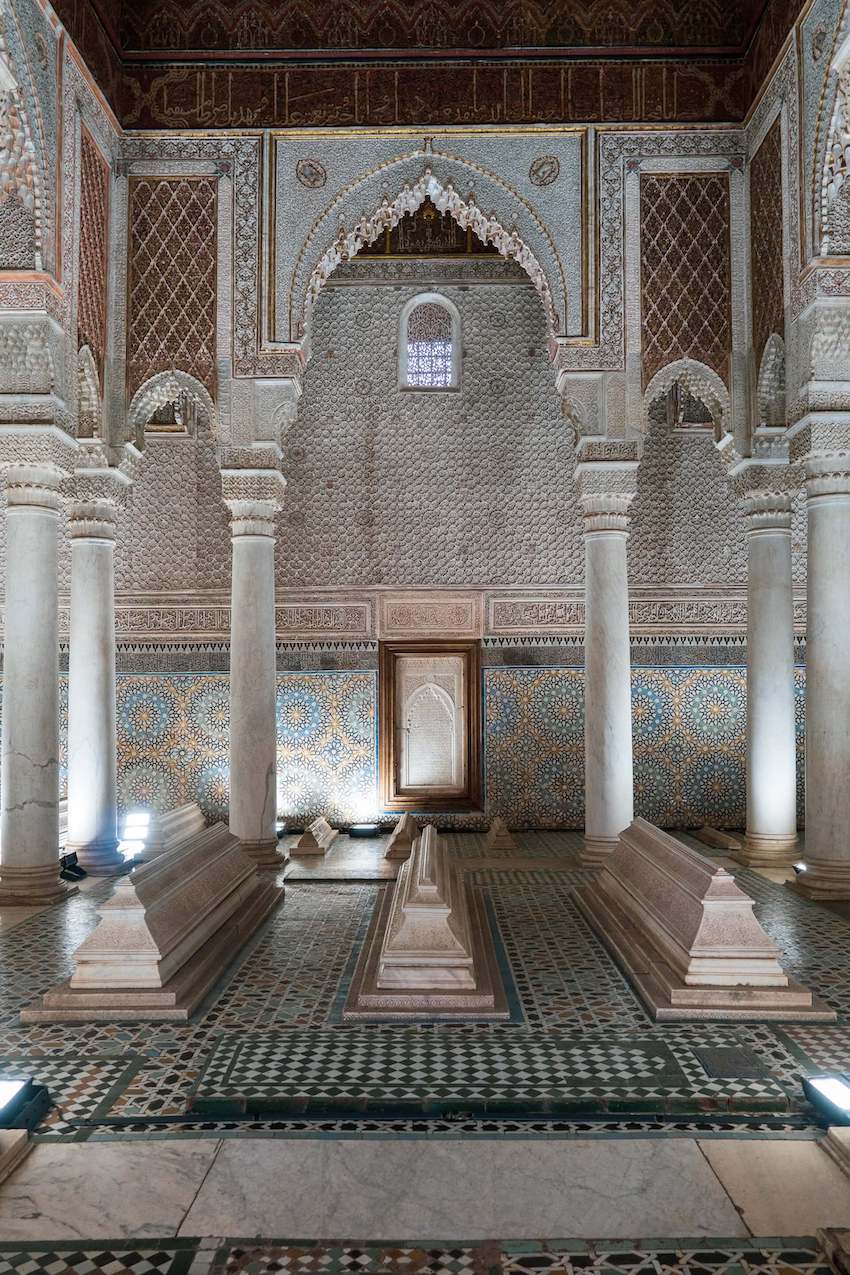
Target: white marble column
29	779
606	489
92	737
253	681
827	851
771	837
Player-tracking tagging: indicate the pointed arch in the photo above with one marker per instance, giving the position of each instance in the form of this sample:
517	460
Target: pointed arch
700	381
164	388
512	228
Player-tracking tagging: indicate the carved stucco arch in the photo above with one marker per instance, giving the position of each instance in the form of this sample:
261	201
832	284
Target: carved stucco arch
164	388
89	420
831	177
361	212
700	381
21	158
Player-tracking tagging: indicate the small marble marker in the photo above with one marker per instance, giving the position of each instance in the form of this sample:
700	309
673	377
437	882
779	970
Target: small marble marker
317	839
717	839
498	836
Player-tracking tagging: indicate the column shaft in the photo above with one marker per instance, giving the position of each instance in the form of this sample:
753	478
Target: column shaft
828	683
92	736
253	727
607	696
771	837
29	822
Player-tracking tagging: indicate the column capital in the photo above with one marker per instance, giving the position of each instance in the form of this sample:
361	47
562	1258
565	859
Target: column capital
766	491
34	486
606	481
252	487
93	519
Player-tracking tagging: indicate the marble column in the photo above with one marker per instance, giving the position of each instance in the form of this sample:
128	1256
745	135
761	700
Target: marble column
606	490
92	736
253	681
29	821
827	851
771	836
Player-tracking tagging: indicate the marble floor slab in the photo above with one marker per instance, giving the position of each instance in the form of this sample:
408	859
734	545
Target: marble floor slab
413	1189
778	1186
77	1191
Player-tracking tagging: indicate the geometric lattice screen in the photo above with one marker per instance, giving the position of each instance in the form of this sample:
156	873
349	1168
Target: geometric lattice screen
766	240
685	270
172	278
94	249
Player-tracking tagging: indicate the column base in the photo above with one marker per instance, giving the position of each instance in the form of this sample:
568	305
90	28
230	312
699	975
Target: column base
99	859
760	851
266	855
32	887
823	879
596	850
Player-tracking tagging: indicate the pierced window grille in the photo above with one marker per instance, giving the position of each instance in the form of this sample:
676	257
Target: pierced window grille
429	347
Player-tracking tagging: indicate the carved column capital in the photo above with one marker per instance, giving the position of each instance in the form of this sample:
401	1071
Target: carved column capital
252	487
606	481
33	486
821	444
766	491
92	519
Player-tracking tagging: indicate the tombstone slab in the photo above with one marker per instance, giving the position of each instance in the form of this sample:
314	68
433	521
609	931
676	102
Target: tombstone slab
685	934
317	839
429	949
166	935
402	838
498	837
169	828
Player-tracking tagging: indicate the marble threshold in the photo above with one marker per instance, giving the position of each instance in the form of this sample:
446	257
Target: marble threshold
387	1189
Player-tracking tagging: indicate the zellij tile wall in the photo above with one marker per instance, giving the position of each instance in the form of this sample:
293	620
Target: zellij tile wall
689	727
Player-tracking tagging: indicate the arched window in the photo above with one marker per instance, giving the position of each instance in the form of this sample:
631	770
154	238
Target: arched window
429	344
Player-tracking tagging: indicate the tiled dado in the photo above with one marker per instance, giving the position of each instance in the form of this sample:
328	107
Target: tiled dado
689	729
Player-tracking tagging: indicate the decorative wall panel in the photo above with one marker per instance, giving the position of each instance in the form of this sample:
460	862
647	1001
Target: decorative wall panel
372	470
172	279
766	248
94	250
685	270
689	731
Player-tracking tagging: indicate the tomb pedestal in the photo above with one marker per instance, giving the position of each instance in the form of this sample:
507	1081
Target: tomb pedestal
402	838
166	936
429	950
685	935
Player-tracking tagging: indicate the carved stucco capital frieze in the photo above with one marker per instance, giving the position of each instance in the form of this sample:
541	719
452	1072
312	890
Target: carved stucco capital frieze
252	487
92	519
766	490
606	482
34	486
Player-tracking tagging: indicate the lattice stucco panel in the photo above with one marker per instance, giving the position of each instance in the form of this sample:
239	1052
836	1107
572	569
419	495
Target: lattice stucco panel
94	249
172	283
766	240
685	270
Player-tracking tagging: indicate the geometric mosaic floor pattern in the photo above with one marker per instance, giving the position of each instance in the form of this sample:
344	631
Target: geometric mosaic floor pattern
792	1257
271	1046
437	1069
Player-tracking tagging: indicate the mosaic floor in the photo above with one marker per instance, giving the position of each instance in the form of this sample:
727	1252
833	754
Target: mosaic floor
797	1256
269	1054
